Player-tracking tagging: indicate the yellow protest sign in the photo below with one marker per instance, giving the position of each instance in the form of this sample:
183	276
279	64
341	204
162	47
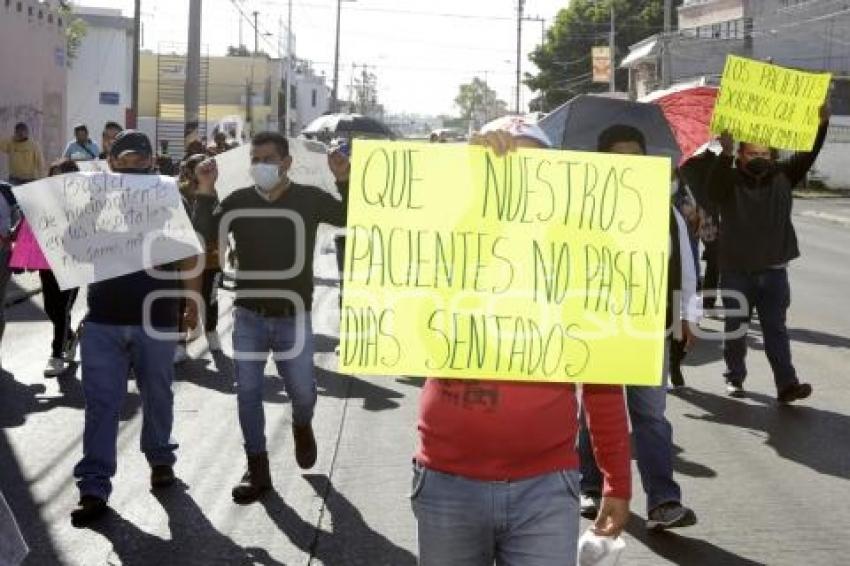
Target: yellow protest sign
538	266
769	105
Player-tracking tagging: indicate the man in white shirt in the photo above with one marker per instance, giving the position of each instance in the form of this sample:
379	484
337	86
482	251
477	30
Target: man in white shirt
652	433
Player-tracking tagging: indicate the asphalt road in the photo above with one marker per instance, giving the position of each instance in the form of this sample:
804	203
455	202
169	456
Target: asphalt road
769	484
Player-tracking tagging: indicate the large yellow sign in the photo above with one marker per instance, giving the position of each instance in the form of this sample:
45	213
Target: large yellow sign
769	105
538	266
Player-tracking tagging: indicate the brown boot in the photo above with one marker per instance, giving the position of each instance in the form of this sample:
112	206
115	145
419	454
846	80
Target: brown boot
256	480
305	446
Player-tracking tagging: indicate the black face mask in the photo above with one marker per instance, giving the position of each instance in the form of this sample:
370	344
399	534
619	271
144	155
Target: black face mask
759	167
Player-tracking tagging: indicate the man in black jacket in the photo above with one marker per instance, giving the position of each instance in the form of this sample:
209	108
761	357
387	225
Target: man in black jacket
757	241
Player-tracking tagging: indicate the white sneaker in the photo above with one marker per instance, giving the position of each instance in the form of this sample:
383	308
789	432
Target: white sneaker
55	367
213	341
180	354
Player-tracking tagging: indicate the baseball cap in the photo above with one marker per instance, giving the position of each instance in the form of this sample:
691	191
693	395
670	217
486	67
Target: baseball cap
518	127
131	141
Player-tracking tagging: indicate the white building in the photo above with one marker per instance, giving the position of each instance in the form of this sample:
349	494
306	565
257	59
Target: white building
100	78
309	97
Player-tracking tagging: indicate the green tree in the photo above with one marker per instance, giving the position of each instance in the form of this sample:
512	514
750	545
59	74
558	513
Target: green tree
564	58
75	30
479	103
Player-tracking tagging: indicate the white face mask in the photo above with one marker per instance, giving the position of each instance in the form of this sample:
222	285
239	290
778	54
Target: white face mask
266	175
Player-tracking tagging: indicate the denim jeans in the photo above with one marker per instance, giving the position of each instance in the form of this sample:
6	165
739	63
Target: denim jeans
652	437
467	522
254	336
769	293
108	352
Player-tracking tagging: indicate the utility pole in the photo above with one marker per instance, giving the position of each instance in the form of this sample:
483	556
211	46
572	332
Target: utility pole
132	119
256	32
665	44
335	92
612	47
192	92
288	70
520	6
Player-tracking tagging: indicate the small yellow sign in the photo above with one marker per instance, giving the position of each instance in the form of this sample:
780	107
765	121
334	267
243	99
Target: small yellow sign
541	265
770	105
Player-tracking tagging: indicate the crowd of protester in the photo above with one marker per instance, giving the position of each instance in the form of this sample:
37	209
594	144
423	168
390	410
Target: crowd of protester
548	453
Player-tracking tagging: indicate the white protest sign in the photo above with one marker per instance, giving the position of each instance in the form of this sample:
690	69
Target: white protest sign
94	166
309	167
97	226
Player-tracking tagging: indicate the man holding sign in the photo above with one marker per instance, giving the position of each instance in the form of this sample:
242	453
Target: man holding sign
124	313
496	476
757	241
273	224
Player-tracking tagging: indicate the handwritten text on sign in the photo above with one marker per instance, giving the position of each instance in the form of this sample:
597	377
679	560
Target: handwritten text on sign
769	105
538	266
97	226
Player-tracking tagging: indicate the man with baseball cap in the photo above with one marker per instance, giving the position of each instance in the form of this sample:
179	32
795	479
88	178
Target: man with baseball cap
115	340
499	481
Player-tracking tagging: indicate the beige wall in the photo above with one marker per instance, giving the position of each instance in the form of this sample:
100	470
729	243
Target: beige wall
226	84
32	67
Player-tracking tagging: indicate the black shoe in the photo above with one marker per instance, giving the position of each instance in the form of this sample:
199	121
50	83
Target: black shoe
589	505
676	377
305	446
89	509
670	515
735	389
794	393
256	481
162	476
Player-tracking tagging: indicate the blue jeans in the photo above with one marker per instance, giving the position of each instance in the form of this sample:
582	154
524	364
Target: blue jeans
770	294
108	352
467	522
255	336
652	436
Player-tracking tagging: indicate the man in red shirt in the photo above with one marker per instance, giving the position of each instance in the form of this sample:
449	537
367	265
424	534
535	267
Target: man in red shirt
496	477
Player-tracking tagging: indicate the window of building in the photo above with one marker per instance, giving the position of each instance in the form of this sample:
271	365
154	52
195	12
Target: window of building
313	97
293	95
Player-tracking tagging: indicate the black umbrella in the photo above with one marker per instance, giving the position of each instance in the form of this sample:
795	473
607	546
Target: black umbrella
348	126
577	124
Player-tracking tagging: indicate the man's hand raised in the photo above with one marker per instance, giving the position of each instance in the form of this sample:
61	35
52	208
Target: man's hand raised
339	165
727	142
499	141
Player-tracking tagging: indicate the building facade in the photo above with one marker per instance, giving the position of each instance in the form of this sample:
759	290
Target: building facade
100	77
804	34
33	62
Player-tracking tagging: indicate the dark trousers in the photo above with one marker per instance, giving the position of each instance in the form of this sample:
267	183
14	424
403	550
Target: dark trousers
711	281
340	263
57	305
769	293
209	291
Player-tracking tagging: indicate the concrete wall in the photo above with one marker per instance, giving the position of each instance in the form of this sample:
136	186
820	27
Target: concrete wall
831	166
32	71
104	64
